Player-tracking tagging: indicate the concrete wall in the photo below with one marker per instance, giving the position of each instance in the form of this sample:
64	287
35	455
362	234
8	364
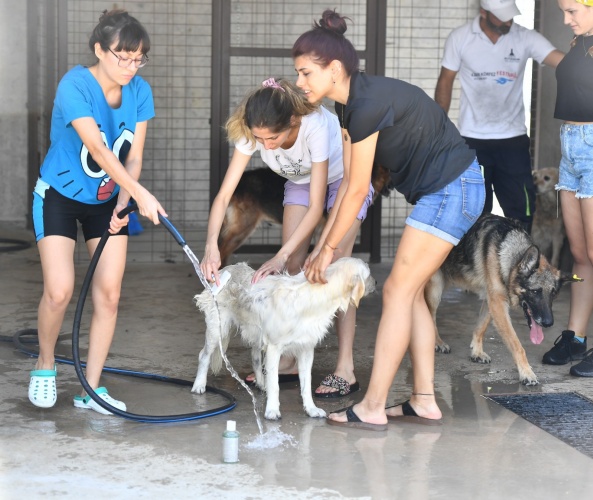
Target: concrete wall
13	112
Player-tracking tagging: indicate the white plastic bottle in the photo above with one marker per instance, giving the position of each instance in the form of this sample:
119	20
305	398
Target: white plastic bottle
230	443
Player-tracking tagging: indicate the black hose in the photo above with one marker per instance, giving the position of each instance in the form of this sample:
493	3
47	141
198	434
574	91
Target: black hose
11	245
78	365
18	340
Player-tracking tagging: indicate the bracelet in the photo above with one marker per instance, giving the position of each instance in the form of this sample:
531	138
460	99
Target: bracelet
334	249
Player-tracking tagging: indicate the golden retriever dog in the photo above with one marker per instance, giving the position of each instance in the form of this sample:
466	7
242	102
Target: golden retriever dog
547	231
280	314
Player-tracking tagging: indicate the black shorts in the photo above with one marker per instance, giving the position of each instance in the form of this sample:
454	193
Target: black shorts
507	171
56	215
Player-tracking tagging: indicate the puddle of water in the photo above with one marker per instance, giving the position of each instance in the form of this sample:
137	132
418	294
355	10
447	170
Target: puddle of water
271	439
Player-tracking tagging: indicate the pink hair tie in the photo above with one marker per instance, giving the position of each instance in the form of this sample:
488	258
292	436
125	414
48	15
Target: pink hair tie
270	82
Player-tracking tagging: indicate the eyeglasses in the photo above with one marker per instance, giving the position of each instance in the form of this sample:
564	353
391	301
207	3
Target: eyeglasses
126	62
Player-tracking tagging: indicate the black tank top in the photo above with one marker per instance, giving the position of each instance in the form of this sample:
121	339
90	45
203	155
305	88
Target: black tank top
574	76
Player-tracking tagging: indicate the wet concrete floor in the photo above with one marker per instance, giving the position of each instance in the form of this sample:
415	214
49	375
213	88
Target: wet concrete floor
482	451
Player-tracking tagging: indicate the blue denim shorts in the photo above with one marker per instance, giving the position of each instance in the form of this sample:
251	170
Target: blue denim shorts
298	194
576	164
451	211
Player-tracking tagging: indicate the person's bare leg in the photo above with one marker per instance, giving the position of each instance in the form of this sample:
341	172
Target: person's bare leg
578	221
422	356
418	256
56	254
345	322
106	288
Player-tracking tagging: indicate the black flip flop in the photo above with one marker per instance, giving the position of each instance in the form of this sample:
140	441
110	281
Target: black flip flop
354	422
282	378
410	415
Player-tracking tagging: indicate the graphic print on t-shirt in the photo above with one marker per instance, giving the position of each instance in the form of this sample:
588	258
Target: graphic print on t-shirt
291	170
90	168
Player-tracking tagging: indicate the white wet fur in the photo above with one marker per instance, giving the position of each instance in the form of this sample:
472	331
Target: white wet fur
280	314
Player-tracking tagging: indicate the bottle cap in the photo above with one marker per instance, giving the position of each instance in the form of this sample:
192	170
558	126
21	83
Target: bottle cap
231	425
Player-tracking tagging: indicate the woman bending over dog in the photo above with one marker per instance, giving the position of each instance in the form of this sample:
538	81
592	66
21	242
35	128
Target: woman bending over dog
300	141
400	127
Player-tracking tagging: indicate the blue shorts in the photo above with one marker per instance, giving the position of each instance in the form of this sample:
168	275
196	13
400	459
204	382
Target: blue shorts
56	215
451	211
576	164
298	194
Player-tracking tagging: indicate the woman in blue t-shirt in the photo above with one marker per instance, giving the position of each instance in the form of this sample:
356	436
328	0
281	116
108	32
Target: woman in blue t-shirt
90	173
397	125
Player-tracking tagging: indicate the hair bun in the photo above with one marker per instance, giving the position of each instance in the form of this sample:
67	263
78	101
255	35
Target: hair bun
332	21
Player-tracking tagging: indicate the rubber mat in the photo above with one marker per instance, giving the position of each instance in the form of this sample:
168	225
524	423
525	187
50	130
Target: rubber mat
567	416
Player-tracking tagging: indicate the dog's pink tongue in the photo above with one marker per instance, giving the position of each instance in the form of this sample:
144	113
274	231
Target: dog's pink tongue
536	333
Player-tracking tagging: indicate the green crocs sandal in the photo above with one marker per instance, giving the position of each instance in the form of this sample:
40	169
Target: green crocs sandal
89	404
42	388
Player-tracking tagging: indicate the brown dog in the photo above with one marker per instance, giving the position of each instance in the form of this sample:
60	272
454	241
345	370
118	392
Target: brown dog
547	231
258	198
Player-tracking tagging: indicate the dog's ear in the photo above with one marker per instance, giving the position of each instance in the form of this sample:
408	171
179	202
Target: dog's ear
357	290
530	261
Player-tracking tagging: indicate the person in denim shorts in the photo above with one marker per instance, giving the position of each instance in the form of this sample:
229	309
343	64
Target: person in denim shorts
574	106
397	125
299	141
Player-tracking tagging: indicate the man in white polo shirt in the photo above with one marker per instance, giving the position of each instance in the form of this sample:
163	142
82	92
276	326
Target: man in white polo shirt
490	54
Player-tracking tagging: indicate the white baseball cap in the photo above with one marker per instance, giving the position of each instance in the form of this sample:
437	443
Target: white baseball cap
504	10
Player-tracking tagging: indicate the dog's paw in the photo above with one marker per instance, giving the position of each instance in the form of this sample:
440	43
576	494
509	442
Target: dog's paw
272	414
529	381
482	358
198	388
527	377
442	348
315	412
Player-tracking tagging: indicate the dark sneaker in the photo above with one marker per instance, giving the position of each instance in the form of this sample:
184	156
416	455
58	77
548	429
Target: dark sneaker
565	350
585	367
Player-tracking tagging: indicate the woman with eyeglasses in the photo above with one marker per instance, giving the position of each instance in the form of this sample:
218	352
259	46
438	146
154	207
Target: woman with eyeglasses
90	173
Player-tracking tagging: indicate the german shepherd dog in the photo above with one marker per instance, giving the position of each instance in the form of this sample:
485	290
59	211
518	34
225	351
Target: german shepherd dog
497	260
258	199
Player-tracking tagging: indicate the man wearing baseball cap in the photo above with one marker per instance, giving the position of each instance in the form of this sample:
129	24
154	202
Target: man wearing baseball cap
504	10
490	54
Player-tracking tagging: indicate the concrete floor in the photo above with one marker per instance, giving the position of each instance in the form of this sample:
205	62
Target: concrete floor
482	451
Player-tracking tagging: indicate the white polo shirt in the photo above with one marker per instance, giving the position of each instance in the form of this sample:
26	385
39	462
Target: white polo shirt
319	139
491	77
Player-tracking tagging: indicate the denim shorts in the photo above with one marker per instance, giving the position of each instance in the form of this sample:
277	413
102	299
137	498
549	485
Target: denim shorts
298	194
576	164
451	211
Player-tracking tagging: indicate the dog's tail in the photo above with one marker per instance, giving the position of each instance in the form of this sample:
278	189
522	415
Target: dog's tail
216	359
